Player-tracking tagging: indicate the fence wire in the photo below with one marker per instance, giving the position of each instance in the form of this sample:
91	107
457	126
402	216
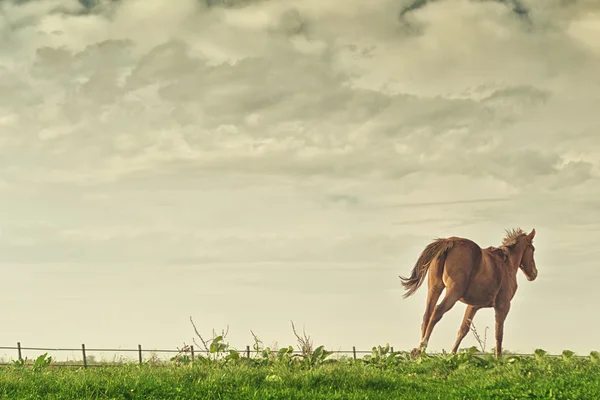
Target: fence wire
89	360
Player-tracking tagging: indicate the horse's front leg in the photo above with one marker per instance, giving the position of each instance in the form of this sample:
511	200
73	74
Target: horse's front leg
501	309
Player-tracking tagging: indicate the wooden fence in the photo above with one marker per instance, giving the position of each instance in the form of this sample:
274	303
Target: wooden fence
188	350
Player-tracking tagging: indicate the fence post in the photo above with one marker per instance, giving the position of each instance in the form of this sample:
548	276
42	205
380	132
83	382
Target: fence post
392	349
84	357
140	353
354	351
192	350
19	351
247	351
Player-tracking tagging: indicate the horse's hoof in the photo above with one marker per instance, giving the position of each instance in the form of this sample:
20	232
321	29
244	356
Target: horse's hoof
415	353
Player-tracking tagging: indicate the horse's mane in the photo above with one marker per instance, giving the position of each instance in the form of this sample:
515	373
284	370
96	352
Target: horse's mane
512	237
508	243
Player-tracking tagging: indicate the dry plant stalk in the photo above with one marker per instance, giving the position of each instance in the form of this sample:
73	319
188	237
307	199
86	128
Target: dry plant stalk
305	343
206	343
258	344
482	342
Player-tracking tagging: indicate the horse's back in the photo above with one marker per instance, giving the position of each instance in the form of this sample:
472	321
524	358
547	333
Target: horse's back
486	280
465	249
496	254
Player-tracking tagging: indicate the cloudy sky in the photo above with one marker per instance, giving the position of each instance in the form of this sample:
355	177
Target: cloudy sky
256	162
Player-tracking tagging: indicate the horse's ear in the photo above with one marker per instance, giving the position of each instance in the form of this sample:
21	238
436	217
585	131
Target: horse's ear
531	235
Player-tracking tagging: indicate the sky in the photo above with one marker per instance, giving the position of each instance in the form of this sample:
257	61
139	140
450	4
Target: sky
251	163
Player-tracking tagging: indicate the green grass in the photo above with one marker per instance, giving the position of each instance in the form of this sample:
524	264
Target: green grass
277	375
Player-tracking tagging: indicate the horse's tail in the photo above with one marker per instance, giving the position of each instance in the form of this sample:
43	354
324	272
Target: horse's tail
435	249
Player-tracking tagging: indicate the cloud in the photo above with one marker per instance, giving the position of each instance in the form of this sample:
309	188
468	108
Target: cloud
130	245
517	6
308	147
459	100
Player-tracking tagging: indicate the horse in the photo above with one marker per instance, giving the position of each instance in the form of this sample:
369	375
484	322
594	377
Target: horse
479	278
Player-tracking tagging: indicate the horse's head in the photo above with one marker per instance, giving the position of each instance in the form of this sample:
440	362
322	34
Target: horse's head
527	261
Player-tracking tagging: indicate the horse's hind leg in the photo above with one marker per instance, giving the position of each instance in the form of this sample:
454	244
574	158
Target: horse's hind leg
453	294
435	288
433	296
465	326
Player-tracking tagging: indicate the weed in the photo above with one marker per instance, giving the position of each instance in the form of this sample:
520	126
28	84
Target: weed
41	362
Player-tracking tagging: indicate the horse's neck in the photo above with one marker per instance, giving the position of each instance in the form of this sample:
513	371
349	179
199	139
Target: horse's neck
514	259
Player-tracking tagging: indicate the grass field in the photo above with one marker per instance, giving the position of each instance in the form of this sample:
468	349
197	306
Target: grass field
284	375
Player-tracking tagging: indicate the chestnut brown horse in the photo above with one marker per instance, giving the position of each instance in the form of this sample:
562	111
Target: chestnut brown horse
480	278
